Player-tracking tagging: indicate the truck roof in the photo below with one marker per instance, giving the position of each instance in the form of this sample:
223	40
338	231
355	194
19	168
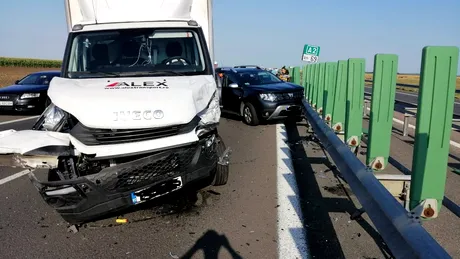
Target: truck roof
87	12
92	12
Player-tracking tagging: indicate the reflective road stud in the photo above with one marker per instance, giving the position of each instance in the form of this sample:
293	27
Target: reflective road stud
355	96
382	106
329	91
433	129
340	98
320	93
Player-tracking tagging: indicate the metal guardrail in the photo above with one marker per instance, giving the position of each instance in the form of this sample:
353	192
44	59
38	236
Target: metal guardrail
401	230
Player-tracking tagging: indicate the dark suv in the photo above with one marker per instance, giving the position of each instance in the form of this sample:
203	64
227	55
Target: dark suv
256	94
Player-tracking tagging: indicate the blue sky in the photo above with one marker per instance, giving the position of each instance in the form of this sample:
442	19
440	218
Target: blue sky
271	33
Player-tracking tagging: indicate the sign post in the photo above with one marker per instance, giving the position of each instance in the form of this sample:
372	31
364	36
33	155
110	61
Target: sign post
310	53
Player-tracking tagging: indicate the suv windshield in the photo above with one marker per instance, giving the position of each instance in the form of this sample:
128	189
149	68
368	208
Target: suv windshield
136	52
257	78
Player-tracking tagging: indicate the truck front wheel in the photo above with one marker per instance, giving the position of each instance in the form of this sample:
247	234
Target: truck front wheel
222	168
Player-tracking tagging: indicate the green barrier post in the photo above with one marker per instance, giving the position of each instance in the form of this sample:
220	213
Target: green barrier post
312	83
329	90
382	107
316	88
296	75
355	99
340	98
433	129
320	93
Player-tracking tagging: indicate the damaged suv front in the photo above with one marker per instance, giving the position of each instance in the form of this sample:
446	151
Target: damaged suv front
125	129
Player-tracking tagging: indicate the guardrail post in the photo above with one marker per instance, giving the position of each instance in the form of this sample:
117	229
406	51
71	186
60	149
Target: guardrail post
355	96
382	106
433	129
329	90
340	99
406	124
320	93
315	85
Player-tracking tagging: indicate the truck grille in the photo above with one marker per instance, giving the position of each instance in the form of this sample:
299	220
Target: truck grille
92	137
144	171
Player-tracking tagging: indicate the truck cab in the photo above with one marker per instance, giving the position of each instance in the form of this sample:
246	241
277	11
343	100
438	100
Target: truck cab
134	113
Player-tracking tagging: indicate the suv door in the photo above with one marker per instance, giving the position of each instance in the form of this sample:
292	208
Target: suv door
231	96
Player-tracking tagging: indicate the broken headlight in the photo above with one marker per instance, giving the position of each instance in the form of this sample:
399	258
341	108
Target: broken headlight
209	116
52	119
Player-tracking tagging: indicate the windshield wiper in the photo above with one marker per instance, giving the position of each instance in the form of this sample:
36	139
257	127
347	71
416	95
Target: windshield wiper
84	73
156	72
104	73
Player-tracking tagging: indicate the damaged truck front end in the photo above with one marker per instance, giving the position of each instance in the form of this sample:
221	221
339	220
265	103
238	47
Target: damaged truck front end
82	187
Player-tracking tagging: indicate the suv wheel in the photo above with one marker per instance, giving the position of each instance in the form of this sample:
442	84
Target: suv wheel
250	115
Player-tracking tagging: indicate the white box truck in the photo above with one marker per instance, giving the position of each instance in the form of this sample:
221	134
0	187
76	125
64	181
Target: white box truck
134	113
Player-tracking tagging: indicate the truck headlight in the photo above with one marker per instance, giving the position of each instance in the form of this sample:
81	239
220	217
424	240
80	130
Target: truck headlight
51	119
209	116
268	97
30	95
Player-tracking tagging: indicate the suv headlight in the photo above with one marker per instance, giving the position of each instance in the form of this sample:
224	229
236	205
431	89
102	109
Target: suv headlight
30	95
52	119
268	97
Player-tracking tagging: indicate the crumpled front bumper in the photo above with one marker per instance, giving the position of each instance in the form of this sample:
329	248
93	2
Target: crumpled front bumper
124	185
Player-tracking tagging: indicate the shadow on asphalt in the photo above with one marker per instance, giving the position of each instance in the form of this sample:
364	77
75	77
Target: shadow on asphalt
234	117
321	235
211	243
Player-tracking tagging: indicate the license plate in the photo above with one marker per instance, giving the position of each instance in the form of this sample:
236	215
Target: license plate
6	103
155	191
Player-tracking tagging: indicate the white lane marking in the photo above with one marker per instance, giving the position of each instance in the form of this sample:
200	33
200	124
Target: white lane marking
19	120
453	143
292	242
14	176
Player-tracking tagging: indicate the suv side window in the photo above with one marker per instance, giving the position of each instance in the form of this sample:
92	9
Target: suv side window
228	80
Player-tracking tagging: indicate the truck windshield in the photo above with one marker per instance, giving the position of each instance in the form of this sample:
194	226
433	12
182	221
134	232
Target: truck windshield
136	52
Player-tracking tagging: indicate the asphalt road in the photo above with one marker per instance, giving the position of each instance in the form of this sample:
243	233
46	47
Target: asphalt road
412	98
271	201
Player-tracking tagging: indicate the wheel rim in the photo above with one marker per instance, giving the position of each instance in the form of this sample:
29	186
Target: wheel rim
247	114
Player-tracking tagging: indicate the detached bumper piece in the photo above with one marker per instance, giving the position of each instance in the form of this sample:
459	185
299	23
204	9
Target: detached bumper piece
118	187
284	111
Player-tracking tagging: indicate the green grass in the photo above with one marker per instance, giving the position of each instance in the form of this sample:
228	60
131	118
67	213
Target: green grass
29	62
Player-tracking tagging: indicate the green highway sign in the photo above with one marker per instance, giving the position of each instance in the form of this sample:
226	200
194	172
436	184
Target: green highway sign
310	53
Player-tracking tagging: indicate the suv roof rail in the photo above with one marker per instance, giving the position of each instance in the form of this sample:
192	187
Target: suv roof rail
247	66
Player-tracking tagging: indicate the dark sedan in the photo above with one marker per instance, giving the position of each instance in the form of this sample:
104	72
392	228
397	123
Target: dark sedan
256	95
29	94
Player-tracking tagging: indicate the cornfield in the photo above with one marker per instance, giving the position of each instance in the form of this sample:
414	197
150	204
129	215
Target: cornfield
28	62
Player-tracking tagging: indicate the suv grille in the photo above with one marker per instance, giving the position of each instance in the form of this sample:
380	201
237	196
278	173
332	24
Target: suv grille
289	96
92	137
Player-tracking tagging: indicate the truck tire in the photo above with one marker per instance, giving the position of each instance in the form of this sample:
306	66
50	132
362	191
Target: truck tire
222	171
249	114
